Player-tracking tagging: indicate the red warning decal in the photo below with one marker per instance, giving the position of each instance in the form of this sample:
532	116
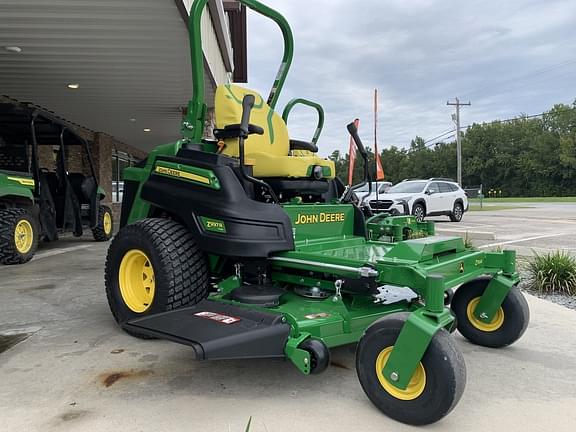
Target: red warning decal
224	319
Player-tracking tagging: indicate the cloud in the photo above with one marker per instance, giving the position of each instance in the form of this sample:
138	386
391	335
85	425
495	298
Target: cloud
508	58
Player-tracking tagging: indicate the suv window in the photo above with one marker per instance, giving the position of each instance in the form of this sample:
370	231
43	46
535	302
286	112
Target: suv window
433	188
445	188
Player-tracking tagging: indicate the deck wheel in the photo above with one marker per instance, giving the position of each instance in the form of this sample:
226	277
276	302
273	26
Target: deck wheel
319	355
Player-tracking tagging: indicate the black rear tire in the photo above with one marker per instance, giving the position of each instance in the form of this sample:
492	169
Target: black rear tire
179	269
105	228
514	316
13	249
457	212
419	212
444	374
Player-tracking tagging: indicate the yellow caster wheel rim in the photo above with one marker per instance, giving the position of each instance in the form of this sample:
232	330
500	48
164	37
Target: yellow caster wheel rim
415	387
494	325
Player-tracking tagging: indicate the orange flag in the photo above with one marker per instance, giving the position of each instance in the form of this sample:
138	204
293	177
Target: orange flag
379	169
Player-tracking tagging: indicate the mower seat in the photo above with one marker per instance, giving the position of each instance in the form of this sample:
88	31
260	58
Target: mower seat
268	154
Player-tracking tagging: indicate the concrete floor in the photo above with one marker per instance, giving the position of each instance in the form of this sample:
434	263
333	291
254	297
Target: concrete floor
77	371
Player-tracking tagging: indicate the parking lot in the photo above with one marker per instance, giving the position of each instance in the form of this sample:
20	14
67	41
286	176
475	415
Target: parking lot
526	227
73	369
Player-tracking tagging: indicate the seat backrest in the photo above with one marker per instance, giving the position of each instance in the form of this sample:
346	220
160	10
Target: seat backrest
228	111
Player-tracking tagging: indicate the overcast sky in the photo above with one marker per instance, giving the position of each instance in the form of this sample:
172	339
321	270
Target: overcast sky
506	57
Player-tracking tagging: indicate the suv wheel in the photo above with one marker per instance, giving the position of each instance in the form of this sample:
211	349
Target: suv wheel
457	212
419	212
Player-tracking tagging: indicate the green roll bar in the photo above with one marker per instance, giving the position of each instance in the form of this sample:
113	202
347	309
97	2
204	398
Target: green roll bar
193	123
315	105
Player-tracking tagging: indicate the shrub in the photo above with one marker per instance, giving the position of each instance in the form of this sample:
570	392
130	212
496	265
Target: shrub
554	272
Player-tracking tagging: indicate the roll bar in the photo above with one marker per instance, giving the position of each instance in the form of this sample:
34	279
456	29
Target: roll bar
193	123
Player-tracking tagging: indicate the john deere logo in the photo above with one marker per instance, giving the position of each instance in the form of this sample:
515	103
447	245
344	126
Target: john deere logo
302	219
213	225
182	174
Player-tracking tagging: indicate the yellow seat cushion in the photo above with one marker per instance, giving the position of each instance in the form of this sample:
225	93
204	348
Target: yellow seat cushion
269	154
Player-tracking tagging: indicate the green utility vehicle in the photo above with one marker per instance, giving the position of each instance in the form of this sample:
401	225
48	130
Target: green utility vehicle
247	246
39	197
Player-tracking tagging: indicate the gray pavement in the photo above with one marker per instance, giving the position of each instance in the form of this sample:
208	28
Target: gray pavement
76	371
539	227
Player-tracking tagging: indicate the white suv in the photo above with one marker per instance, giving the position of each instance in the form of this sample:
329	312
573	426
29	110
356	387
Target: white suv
433	197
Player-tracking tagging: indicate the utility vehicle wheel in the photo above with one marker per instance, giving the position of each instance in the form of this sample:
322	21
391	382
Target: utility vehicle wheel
319	355
457	212
419	212
154	266
103	231
18	236
508	325
435	387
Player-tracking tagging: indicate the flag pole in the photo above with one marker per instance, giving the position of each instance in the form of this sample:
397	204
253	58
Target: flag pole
376	140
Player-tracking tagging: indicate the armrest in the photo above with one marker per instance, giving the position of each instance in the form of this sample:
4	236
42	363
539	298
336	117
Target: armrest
303	145
234	131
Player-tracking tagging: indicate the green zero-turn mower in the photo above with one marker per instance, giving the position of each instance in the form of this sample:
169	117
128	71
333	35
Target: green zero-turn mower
39	197
248	247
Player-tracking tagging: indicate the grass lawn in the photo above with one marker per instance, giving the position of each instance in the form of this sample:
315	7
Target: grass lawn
526	199
490	207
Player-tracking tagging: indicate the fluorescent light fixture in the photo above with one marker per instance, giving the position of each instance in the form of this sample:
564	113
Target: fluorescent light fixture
13	49
147	130
73	86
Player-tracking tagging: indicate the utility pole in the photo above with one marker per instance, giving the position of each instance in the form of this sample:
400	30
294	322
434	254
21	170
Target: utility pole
456	119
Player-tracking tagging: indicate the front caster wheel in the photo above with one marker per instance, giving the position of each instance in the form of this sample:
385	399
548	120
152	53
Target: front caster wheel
508	325
435	387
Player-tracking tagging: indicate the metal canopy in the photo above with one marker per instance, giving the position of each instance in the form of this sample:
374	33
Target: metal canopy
130	58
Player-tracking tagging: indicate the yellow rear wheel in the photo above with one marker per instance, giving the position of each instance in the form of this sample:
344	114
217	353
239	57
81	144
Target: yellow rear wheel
415	387
137	282
19	232
23	236
107	223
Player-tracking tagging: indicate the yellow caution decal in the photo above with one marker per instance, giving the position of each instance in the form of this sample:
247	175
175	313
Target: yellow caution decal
23	181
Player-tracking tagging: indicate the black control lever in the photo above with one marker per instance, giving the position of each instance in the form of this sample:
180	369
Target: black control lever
247	105
353	130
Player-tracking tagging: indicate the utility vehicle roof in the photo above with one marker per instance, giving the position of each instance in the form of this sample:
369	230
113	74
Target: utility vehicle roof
15	121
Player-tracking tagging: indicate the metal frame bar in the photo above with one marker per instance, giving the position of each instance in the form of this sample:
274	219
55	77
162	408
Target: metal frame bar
309	103
193	123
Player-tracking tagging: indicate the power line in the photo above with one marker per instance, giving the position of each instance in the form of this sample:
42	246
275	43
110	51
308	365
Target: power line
440	136
522	117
